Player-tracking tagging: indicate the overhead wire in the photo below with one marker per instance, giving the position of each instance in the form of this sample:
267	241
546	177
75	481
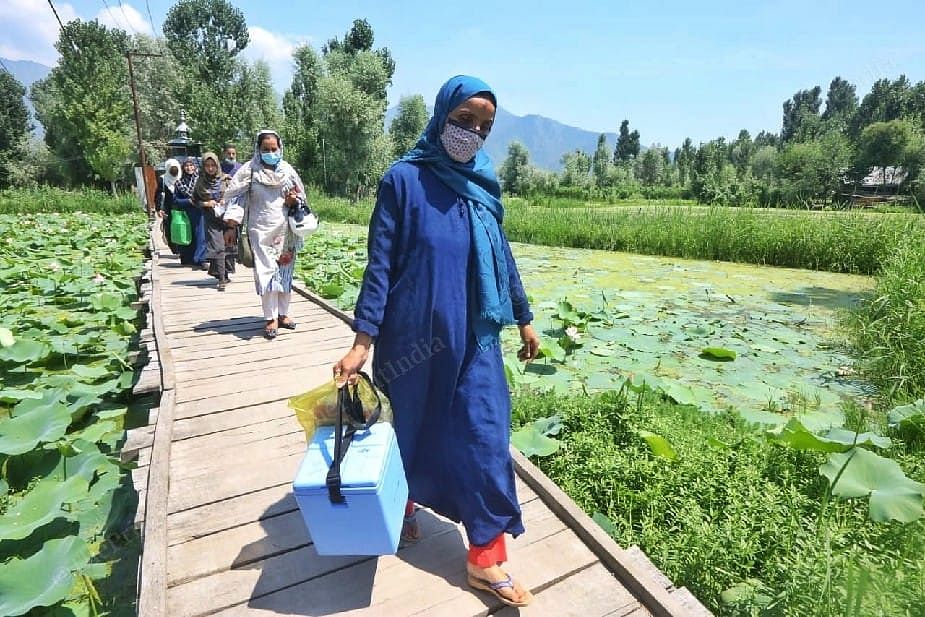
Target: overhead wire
127	20
150	18
61	24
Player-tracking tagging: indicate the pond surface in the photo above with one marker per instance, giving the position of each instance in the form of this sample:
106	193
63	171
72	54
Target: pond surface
651	317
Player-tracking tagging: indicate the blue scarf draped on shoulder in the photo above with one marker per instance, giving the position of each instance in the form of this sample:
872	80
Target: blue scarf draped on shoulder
475	182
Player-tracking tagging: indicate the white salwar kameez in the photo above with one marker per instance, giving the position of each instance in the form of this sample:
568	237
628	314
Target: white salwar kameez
263	192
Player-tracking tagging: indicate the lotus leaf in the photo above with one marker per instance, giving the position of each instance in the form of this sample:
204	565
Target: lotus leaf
531	442
893	496
604	523
909	417
795	435
25	430
659	445
24	351
12	394
720	354
41	505
44	578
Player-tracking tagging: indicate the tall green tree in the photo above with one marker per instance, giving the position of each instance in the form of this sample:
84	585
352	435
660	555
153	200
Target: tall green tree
841	101
801	115
335	111
627	147
741	151
684	159
408	124
886	101
884	144
812	170
600	162
205	37
651	167
576	169
156	80
299	108
515	171
14	127
84	103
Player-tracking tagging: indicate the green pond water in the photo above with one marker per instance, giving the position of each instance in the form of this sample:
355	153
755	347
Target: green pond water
651	317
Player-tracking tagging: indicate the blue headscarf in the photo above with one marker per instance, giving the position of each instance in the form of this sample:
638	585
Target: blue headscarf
476	183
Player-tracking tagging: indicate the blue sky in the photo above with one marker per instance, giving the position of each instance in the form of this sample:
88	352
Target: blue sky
674	69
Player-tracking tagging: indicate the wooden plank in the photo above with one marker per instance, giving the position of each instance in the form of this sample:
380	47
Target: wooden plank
135	440
592	592
284	347
160	334
645	565
211	453
290	380
188	337
271	535
650	593
265	360
284	581
200	317
221	421
222	347
692	606
152	597
198	490
241	510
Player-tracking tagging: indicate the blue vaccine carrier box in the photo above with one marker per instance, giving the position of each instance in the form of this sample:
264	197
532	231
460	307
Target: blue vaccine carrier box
373	485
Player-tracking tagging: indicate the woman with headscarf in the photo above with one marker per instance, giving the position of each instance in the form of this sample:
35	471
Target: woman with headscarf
207	195
194	253
439	285
163	198
269	187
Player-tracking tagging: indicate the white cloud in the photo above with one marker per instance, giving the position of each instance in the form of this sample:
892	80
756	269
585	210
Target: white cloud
29	30
124	17
276	50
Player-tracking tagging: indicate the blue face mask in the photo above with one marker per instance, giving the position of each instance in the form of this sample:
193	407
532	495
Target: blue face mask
270	158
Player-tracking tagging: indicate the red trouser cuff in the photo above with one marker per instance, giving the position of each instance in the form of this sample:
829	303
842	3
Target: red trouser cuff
491	554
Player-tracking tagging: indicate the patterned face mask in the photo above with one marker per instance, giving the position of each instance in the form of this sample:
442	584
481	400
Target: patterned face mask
460	143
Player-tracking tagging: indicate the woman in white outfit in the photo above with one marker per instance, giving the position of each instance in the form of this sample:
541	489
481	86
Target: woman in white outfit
269	187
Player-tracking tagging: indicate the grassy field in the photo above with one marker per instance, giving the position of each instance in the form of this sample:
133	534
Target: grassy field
852	242
746	523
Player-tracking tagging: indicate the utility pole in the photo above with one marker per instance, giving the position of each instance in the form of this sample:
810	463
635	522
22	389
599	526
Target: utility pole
141	148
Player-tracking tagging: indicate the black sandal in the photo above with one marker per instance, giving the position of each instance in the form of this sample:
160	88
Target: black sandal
289	325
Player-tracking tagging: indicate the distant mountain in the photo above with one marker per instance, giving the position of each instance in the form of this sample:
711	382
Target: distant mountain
546	139
27	72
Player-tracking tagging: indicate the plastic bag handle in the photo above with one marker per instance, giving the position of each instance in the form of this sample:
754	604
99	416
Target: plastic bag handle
348	403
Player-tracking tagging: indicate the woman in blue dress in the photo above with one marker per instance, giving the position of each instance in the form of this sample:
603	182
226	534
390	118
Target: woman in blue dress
439	285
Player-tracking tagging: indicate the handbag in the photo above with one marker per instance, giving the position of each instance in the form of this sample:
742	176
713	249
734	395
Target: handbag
181	232
350	413
245	251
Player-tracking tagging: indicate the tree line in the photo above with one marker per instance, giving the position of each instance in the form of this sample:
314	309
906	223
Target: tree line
332	117
821	154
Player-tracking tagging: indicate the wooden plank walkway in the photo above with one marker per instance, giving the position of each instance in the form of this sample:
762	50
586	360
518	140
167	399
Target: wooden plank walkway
222	532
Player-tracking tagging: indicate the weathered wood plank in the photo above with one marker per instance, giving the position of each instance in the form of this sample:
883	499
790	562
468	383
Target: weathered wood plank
222	421
270	535
241	510
288	381
200	489
592	592
434	559
152	597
